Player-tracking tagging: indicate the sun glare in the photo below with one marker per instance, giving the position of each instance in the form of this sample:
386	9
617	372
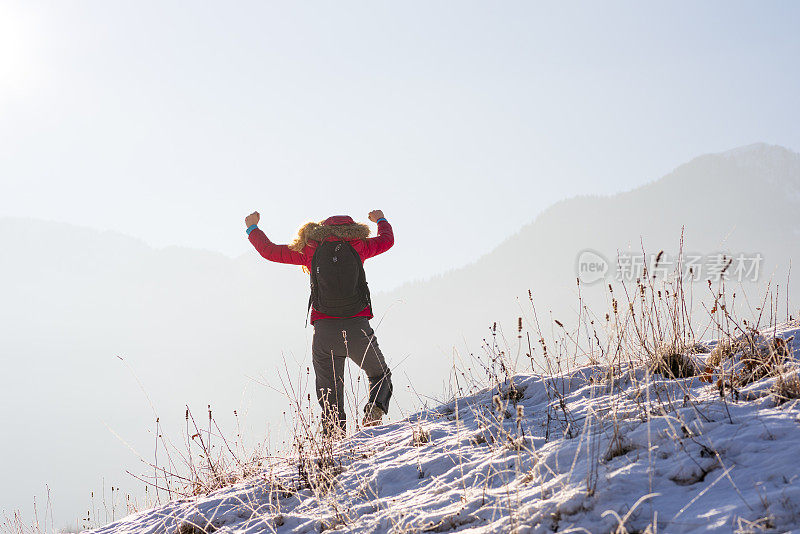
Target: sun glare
16	40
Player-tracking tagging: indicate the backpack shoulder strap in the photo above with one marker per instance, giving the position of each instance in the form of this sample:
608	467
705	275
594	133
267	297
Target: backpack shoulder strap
311	277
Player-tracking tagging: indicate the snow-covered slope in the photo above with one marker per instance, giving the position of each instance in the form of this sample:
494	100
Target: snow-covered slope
582	452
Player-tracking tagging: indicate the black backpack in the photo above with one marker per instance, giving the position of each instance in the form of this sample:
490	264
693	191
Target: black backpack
338	282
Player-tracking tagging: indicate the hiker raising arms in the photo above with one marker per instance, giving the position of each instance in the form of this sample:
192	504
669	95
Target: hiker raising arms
333	251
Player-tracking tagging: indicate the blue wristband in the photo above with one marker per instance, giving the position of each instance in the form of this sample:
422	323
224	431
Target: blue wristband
381	219
251	228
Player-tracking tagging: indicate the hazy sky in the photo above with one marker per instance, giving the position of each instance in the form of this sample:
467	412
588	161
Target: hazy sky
170	121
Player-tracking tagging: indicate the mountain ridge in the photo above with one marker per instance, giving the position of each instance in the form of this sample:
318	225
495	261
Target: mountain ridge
740	155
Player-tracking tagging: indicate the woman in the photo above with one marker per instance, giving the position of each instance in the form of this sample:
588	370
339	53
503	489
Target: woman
333	252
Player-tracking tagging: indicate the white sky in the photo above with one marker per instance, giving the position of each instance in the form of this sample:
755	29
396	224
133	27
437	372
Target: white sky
170	121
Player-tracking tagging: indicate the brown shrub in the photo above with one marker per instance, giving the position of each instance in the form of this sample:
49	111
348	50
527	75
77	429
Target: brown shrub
672	363
786	388
762	358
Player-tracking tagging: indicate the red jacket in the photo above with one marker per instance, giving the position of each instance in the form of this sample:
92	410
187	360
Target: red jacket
366	248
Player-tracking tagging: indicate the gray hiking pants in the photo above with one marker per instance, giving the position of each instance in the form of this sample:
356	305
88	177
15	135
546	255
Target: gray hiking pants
335	340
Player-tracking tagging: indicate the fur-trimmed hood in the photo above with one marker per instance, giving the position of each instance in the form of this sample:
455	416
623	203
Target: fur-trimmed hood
319	231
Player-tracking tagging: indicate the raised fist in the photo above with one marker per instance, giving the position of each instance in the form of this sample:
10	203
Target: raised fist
252	219
374	215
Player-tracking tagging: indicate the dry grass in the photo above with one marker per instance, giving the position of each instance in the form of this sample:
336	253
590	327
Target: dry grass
420	437
762	358
786	388
647	331
722	351
672	362
749	357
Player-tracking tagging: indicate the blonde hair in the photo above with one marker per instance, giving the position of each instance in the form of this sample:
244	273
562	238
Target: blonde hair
303	234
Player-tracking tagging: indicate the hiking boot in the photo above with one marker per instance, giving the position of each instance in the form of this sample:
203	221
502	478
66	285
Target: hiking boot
373	416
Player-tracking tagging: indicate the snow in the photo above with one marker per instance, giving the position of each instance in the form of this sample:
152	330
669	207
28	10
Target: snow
635	450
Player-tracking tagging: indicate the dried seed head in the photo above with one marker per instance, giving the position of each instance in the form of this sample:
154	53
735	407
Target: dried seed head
498	404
